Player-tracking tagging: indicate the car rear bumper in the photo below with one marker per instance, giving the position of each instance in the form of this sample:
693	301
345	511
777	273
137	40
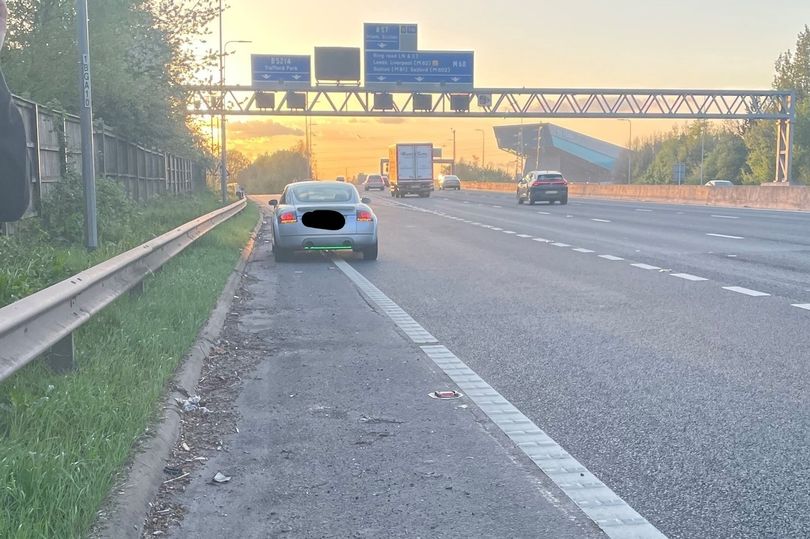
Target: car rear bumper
347	242
549	193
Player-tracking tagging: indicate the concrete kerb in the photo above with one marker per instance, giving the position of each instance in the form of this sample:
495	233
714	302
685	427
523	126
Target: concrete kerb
124	511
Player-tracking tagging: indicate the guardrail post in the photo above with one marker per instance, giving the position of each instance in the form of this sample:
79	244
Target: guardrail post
62	356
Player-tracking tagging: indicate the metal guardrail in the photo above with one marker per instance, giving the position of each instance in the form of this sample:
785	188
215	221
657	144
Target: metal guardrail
45	321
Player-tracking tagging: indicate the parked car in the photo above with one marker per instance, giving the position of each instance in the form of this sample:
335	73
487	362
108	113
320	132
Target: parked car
374	181
719	183
340	179
538	185
449	181
322	216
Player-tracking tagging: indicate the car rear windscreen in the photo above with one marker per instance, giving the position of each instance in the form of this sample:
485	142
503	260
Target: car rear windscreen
324	193
550	177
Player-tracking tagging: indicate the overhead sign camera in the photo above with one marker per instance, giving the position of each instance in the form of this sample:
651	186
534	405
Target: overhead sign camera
337	64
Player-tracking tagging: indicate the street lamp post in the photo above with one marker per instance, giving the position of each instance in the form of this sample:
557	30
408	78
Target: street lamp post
223	150
629	147
483	157
453	168
86	111
702	149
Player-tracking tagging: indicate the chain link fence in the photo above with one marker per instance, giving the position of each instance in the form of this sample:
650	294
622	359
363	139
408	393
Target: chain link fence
54	150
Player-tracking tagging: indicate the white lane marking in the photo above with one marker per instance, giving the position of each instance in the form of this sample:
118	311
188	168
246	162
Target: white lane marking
805	306
495	228
465	202
601	220
725	217
746	291
611	257
412	329
559	244
496	206
541	240
645	266
476	224
688	277
524	236
725	236
581	250
603	506
509	232
641	209
544	213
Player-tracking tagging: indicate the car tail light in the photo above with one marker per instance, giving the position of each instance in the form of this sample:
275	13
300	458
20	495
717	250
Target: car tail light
538	183
364	216
287	218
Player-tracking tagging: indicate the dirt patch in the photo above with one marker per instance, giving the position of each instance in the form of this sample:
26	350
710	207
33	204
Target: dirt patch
206	429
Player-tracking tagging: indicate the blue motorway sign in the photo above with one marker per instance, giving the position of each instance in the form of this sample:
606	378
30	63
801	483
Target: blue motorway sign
280	69
389	37
419	69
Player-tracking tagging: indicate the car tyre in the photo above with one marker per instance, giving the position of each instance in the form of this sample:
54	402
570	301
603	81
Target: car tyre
281	255
370	253
564	200
530	200
519	199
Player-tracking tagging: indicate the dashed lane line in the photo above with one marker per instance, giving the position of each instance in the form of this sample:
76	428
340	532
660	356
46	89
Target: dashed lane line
601	220
611	257
805	306
581	250
645	266
725	236
746	291
688	277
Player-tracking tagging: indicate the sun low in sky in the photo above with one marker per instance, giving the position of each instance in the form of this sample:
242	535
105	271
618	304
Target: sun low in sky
714	44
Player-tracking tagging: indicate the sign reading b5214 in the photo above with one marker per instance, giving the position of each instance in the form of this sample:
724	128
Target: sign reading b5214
389	37
280	70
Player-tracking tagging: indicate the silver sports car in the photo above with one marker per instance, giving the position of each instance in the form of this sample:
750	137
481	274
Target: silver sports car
323	216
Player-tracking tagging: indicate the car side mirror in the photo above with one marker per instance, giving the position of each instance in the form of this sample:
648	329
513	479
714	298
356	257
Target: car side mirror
273	202
365	200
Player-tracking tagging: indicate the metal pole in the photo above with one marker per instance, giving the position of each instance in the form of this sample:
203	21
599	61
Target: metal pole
629	151
483	151
453	171
86	108
702	149
223	173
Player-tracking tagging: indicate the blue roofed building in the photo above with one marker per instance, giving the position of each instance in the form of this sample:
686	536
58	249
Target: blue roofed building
580	158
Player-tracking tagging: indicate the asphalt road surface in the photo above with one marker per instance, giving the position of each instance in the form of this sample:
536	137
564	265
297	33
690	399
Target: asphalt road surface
664	347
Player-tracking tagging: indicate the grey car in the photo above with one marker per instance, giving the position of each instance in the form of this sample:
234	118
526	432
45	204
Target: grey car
323	216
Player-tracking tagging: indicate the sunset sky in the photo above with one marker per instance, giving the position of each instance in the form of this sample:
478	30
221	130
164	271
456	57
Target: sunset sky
533	43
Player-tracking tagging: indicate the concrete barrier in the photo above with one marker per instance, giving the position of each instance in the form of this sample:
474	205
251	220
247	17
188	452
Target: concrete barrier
742	196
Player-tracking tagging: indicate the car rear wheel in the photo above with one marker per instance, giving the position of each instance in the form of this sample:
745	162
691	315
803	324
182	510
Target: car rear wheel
370	253
281	255
564	200
519	198
530	200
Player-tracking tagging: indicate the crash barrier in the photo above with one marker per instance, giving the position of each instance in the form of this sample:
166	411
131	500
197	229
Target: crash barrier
744	196
44	322
55	150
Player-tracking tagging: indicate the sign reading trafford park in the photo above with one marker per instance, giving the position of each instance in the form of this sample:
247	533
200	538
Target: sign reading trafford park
389	37
451	70
278	71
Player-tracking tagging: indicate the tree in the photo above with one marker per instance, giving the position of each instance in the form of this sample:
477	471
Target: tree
269	173
237	163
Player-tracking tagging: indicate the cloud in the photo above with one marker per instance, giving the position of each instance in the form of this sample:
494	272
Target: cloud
262	128
393	120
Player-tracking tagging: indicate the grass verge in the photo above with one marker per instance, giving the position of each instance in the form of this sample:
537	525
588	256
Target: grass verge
63	438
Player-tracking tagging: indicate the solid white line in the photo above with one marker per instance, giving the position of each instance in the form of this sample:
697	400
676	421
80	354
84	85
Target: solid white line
688	277
746	291
645	266
524	236
542	240
408	325
725	217
603	506
581	250
805	306
601	220
558	244
725	236
610	257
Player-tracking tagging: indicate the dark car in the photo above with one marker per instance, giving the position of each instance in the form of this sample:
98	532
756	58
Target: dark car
539	185
374	181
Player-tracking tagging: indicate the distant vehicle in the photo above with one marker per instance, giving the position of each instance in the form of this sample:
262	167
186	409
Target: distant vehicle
374	181
361	178
719	183
322	216
538	185
449	181
410	169
340	179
